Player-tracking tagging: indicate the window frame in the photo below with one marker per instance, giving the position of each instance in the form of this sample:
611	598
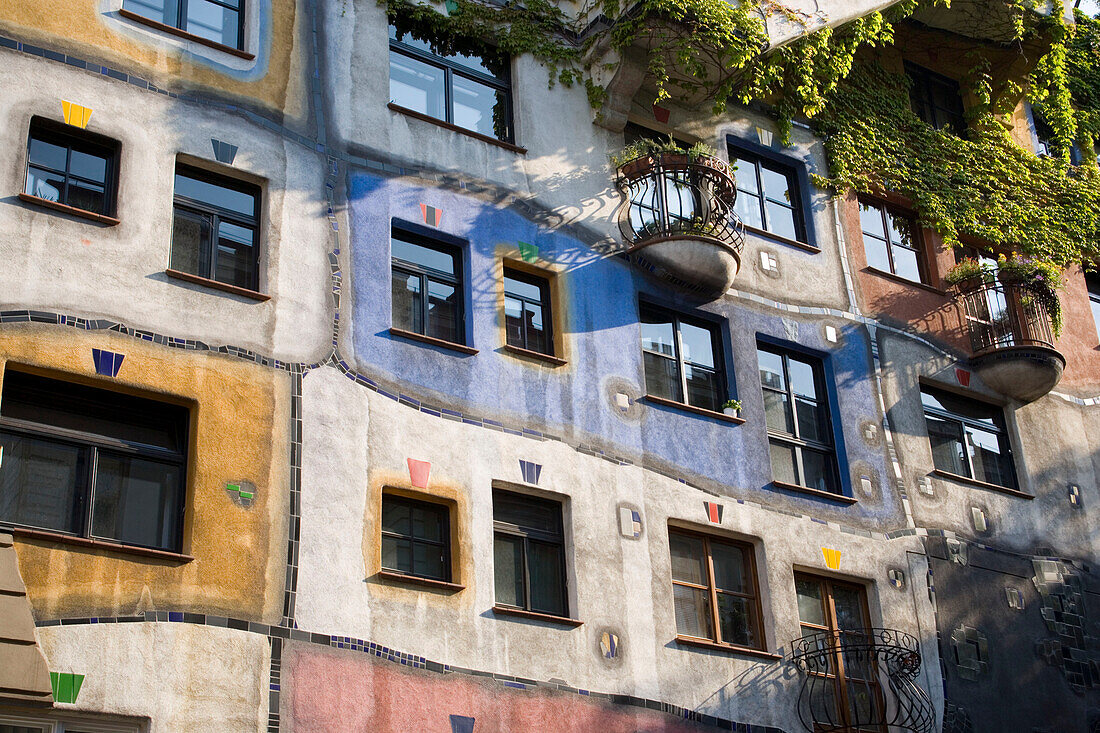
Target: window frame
456	251
74	138
527	534
797	182
1092	288
181	19
999	428
921	80
91	445
749	551
450	69
441	509
545	303
215	215
795	440
717	349
917	249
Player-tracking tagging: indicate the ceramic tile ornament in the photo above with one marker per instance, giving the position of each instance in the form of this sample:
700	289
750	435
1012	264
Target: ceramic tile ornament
418	472
661	114
962	376
530	471
66	686
76	115
528	252
224	152
432	216
609	644
462	724
714	511
832	558
107	363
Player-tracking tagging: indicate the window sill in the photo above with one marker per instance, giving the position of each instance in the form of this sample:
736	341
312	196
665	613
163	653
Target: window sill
695	410
782	240
455	128
432	340
815	492
66	209
729	648
981	484
536	355
47	536
172	30
226	287
522	613
397	577
903	281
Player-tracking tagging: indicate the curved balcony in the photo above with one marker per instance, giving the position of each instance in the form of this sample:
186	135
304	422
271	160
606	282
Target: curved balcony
677	216
861	681
1010	337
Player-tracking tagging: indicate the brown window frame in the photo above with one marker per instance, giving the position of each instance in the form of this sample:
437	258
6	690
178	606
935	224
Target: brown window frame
444	544
918	248
545	302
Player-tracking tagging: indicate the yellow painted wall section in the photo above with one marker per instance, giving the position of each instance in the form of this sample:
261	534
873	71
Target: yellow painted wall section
240	422
81	28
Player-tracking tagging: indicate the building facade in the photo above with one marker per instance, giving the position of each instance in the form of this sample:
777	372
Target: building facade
345	385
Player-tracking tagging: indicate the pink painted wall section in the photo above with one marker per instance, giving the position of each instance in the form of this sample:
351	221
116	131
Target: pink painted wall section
333	690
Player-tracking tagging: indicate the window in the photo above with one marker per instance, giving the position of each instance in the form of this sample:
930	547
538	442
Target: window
468	87
219	21
71	167
968	438
416	538
529	553
527	314
935	99
427	287
800	435
767	196
714	589
682	359
1092	282
216	228
891	241
92	463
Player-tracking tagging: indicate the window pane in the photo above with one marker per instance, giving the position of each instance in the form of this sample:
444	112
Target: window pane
427	522
877	255
870	220
513	322
776	185
547	582
745	172
526	512
417	86
730	568
396	517
906	264
961	406
848	603
990	460
736	620
810	608
48	155
86	165
692	608
397	554
802	378
39	482
44	185
777	411
508	570
428	561
688	560
698	345
479	107
162	11
236	255
748	208
86	196
136	501
781	220
771	370
901	230
522	288
947	449
443	311
657	333
1094	303
215	195
702	386
406	302
537	338
426	257
783	465
212	21
662	377
811	423
190	239
819	471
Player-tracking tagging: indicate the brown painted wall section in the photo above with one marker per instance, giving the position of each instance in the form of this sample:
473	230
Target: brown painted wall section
239	432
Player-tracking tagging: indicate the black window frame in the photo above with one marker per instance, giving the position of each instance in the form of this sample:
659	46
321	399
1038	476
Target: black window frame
208	261
441	510
915	234
719	370
93	445
74	138
419	237
795	440
528	535
921	99
998	428
1092	287
797	186
544	302
451	68
180	22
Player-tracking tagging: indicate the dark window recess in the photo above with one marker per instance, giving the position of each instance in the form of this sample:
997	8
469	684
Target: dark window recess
682	359
215	227
968	438
527	314
215	20
416	538
800	434
529	553
936	99
468	85
92	463
714	590
427	287
891	241
768	196
1092	281
68	166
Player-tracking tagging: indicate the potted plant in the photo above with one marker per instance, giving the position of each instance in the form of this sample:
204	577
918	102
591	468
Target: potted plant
969	274
1040	282
731	407
644	152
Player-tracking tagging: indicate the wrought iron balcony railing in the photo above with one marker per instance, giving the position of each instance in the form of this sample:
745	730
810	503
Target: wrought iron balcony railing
855	681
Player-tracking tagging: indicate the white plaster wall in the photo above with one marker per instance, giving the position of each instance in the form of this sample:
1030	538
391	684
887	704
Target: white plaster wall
56	262
184	677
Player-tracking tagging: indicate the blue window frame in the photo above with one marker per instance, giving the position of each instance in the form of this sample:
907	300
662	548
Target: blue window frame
772	193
